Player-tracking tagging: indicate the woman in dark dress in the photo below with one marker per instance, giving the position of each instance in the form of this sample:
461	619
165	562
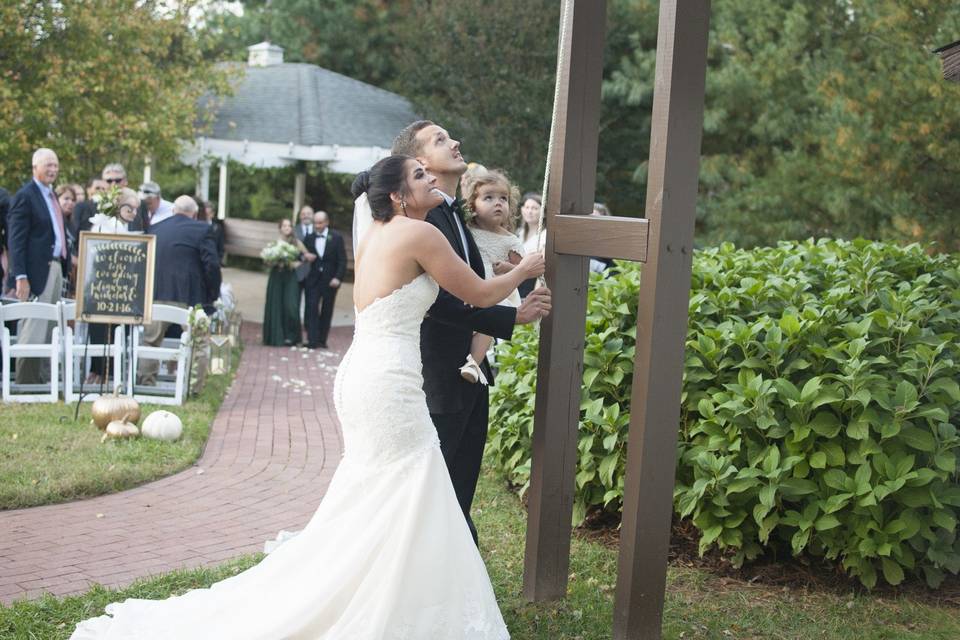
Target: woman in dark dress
281	313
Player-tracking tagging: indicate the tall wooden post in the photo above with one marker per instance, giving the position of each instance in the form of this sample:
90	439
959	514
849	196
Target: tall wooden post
662	318
664	240
573	169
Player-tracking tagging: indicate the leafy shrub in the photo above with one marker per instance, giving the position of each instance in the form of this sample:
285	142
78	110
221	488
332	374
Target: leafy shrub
819	404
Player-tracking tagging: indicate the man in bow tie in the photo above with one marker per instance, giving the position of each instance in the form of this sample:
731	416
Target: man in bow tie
323	281
459	409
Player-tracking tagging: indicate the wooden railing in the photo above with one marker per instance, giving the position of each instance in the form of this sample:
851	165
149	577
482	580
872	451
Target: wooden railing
249	237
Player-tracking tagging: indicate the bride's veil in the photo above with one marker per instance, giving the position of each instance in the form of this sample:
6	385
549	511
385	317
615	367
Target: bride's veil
362	219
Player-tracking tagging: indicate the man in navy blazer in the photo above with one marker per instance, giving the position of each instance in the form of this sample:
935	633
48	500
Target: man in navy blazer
186	270
187	265
38	249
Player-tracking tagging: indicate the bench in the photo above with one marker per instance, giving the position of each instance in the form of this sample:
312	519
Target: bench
249	237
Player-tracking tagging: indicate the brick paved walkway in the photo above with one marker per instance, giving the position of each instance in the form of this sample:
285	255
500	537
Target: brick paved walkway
271	453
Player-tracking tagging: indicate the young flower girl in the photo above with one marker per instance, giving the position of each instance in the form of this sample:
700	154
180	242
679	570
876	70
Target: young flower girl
491	202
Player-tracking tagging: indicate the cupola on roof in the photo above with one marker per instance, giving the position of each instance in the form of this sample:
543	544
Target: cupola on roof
264	54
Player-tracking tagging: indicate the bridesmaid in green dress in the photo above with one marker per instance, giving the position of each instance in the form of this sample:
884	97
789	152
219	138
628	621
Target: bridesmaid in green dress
281	313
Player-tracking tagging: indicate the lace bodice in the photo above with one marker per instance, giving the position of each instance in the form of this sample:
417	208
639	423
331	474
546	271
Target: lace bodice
379	387
400	312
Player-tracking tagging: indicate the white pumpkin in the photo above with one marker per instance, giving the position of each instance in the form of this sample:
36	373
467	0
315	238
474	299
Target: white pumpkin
162	425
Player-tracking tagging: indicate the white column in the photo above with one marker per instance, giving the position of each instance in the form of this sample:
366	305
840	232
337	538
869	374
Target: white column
203	181
147	169
299	194
223	192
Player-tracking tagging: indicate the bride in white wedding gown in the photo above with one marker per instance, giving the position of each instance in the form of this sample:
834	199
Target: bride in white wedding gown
388	554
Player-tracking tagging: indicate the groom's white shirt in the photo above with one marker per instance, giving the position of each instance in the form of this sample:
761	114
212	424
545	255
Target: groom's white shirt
456	218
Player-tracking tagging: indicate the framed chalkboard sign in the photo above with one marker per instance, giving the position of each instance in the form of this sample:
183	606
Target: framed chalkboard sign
115	277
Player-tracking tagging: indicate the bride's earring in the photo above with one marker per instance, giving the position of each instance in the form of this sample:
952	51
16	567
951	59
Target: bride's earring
403	206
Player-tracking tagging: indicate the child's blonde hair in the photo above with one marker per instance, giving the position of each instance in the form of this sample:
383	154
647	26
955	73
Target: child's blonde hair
479	176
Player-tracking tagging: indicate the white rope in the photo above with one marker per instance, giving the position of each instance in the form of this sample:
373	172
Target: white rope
563	55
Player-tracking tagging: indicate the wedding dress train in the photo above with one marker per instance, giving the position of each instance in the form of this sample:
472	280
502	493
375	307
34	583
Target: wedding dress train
387	555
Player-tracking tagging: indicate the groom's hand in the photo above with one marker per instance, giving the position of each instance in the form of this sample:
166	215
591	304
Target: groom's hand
535	306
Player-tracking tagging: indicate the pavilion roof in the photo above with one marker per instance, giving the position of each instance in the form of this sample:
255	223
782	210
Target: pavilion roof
280	114
308	105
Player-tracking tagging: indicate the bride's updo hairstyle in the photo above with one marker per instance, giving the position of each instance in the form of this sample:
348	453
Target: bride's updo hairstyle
385	177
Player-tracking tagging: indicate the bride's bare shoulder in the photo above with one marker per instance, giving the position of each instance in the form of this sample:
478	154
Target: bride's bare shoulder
418	231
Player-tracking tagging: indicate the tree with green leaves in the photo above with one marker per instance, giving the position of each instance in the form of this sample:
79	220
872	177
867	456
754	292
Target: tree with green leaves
98	81
358	38
823	119
486	73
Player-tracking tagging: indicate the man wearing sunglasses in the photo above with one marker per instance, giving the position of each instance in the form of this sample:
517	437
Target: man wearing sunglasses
114	175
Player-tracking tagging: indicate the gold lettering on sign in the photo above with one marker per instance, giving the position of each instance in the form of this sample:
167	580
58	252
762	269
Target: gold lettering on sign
116	283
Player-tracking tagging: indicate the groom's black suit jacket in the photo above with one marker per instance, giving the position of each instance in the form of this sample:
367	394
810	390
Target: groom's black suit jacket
447	330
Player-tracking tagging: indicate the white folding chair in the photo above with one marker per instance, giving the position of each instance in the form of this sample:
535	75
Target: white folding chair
168	389
77	359
13	349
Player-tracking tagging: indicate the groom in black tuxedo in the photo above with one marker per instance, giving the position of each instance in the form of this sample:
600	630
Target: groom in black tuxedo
459	409
323	281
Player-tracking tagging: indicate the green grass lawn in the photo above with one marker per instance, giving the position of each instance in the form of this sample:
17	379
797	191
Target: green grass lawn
46	456
699	603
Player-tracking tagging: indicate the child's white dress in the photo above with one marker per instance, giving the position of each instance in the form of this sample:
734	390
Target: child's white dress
496	247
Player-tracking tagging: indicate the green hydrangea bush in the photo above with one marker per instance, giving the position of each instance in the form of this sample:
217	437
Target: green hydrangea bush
819	412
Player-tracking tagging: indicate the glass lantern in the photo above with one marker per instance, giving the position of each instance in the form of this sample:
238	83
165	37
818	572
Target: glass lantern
220	348
234	322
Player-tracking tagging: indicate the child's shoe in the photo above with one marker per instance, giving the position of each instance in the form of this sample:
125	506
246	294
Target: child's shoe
471	371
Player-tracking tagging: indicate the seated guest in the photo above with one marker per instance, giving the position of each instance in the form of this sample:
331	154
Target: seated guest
187	271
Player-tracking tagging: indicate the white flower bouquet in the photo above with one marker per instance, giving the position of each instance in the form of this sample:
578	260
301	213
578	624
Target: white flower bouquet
199	323
108	202
280	254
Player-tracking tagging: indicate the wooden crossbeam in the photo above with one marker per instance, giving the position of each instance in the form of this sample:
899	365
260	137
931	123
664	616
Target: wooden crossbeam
600	236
